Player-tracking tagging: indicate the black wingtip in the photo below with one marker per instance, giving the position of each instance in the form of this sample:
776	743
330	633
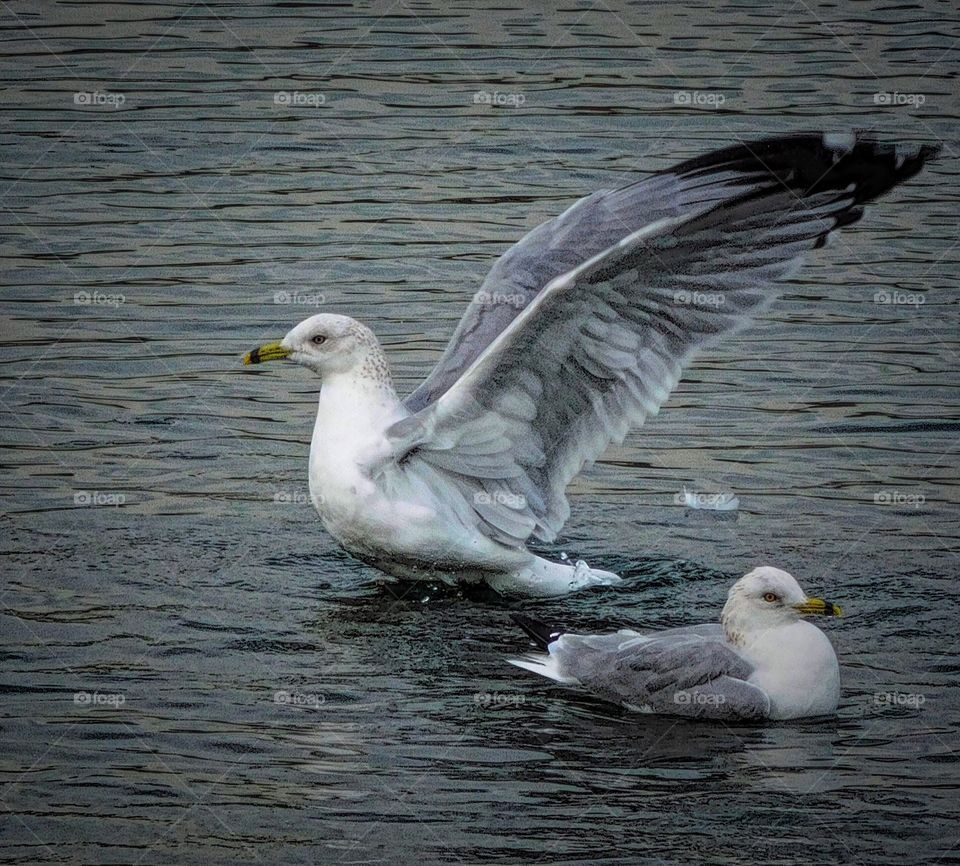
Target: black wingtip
855	168
810	162
542	634
874	167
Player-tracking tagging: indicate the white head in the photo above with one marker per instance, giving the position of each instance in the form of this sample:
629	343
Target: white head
328	344
766	598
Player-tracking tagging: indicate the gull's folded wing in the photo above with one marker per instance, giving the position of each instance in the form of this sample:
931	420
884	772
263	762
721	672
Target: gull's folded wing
599	221
683	672
601	346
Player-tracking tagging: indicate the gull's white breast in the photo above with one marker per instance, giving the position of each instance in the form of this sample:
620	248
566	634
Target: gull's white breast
376	509
797	667
347	450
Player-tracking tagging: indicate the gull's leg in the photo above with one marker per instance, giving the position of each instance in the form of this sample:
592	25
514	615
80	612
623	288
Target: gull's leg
544	578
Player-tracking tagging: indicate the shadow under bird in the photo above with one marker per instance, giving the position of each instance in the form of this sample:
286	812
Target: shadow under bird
579	332
761	661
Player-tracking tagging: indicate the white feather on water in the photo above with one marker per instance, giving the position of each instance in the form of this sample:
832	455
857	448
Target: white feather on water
723	501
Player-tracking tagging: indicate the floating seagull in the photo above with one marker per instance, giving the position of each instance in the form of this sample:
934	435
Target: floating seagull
579	332
761	661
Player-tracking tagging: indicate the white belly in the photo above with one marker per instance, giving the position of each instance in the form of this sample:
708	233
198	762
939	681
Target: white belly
402	526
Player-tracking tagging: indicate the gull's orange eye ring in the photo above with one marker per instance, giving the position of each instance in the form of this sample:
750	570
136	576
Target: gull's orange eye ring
771	597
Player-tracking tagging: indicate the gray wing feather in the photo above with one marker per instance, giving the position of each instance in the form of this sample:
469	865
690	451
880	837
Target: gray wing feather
723	698
599	349
685	672
598	221
591	225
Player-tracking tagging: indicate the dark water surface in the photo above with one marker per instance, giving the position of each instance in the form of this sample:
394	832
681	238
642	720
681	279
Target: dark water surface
194	673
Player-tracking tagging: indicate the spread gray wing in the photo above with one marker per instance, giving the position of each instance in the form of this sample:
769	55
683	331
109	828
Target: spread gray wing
685	672
600	348
599	221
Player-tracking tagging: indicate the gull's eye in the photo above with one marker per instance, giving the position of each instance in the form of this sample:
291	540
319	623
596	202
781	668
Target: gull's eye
318	339
771	597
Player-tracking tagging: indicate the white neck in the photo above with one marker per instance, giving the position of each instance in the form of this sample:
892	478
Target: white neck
740	624
734	627
354	411
353	402
349	448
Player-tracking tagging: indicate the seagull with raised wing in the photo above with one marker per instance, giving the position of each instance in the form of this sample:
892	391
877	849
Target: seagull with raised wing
579	333
763	660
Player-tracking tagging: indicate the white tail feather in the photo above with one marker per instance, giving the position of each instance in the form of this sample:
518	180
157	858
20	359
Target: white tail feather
544	665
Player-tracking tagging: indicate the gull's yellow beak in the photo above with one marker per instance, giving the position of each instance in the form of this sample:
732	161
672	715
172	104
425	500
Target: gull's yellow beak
270	352
818	607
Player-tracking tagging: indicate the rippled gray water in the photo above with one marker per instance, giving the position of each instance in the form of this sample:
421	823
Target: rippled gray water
193	672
